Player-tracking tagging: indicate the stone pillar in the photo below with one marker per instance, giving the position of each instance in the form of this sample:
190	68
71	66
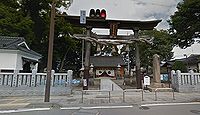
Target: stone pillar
69	78
33	79
156	71
137	59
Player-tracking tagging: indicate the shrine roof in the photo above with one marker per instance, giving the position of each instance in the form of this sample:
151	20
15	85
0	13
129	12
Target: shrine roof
106	61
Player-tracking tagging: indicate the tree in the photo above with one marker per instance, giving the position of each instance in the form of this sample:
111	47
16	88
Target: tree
31	19
13	22
179	65
185	23
66	54
162	44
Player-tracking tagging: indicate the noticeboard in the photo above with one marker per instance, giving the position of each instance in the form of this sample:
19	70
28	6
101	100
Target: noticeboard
146	80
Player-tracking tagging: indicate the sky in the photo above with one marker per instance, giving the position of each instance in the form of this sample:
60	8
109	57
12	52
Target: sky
129	9
142	10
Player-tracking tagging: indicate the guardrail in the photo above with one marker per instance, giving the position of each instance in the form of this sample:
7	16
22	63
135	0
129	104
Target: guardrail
133	90
84	91
157	89
109	93
124	93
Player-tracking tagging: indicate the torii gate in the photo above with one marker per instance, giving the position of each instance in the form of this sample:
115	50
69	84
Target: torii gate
113	25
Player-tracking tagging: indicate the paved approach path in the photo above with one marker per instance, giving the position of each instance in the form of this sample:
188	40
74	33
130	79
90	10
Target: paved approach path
109	85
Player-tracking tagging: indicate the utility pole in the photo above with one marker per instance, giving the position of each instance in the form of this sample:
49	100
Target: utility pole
137	60
50	53
87	61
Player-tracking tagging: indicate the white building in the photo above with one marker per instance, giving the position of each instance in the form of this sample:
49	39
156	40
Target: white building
15	55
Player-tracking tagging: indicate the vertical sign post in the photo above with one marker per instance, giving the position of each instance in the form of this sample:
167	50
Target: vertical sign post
82	17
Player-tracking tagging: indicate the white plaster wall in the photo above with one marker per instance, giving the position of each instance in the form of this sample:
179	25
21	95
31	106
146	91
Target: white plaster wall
12	59
8	60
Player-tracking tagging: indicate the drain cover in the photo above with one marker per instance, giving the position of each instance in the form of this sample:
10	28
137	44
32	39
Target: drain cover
144	108
195	111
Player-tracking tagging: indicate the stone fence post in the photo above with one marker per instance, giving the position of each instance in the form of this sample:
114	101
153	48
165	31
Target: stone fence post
52	77
191	80
33	80
179	79
174	78
14	82
69	77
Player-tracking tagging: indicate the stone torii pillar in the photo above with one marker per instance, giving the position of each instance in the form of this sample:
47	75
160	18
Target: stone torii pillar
137	59
87	62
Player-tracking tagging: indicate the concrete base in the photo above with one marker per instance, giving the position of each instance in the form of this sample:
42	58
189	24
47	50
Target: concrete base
160	90
33	91
157	85
154	86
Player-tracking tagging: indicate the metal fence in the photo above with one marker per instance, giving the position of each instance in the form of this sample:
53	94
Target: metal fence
123	96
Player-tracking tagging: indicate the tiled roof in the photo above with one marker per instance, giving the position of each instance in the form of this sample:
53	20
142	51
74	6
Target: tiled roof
106	61
12	43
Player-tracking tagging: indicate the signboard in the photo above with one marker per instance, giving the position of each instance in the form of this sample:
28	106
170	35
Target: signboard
164	77
84	82
146	80
82	17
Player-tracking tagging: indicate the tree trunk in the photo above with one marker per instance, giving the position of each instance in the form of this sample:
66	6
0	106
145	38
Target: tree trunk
63	60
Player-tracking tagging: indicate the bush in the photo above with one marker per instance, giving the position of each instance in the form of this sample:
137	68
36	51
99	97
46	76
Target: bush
179	65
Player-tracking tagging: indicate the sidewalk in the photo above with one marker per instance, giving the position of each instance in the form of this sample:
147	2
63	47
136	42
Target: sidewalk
95	99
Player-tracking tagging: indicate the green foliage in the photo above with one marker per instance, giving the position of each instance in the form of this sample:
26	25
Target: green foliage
179	65
31	19
185	23
13	22
162	45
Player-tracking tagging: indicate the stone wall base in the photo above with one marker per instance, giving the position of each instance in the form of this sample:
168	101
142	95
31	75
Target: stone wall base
32	91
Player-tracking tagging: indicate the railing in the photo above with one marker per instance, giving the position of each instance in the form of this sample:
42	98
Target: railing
85	91
159	89
133	90
124	93
33	79
185	82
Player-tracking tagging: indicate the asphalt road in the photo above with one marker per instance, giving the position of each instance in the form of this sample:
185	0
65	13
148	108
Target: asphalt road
168	109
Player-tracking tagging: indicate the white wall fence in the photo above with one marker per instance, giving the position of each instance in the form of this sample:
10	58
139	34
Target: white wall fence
185	82
35	79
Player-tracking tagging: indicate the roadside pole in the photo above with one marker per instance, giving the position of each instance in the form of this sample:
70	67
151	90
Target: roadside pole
50	53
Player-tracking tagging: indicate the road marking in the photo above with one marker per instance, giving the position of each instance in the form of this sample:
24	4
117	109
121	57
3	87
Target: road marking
24	110
96	107
65	108
165	104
